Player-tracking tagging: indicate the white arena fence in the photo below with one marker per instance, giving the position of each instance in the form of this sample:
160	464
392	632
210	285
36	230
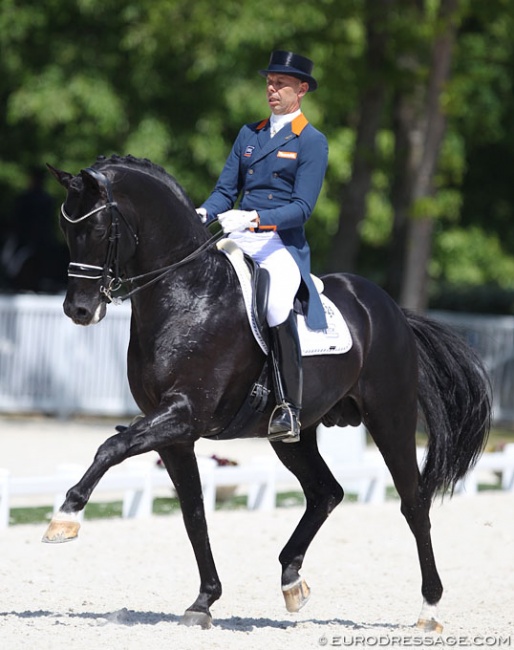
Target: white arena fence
138	481
50	365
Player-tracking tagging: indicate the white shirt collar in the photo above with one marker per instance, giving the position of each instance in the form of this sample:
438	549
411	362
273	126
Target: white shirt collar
279	121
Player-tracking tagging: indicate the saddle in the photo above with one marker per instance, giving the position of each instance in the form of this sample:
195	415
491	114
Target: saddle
254	282
255	286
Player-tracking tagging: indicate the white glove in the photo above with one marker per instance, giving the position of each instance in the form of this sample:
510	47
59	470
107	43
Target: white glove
238	220
202	213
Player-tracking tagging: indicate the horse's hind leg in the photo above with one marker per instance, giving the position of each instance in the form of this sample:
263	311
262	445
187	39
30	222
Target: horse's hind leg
397	443
323	493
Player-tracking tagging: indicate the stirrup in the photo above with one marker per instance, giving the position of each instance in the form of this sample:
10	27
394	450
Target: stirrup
289	430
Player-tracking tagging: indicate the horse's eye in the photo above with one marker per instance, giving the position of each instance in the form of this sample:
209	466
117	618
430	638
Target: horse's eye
99	232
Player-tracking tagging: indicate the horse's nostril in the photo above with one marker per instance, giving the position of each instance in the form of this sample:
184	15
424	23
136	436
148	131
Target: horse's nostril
84	313
79	315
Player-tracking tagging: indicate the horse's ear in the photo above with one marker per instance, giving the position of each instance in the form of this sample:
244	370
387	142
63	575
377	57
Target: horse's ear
64	178
91	183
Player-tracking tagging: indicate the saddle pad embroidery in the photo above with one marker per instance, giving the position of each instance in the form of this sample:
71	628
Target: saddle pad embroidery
336	339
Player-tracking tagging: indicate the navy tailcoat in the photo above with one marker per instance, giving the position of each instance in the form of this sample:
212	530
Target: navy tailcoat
281	178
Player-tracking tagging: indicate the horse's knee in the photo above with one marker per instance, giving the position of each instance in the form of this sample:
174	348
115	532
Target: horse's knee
111	452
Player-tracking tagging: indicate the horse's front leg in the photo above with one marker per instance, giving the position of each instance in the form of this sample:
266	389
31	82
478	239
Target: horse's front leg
180	461
163	427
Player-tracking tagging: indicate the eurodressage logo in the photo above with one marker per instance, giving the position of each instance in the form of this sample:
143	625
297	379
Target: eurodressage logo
407	641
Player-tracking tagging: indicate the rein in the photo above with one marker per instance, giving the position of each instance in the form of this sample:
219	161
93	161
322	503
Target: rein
160	272
109	272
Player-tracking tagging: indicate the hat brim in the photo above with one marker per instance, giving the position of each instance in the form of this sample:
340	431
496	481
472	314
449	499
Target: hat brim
291	72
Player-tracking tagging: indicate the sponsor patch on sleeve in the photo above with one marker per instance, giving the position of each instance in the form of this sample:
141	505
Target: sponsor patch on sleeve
292	155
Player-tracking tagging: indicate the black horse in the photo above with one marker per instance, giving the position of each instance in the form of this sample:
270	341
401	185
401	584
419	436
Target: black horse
192	361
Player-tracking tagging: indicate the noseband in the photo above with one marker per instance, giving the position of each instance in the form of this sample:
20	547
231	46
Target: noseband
110	272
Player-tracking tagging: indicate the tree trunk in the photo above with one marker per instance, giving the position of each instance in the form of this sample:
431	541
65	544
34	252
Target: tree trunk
406	153
345	247
424	124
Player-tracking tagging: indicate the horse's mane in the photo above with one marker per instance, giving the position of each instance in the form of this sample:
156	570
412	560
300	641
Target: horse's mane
145	166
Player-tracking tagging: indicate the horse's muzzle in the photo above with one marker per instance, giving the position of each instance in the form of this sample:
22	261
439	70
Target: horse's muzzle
82	312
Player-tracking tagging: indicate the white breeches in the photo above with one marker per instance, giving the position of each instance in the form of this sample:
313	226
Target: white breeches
268	250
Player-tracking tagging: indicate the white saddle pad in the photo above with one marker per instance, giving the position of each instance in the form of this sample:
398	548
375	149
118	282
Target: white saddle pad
336	339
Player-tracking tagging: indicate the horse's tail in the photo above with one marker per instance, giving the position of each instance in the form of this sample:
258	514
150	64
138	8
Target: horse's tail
454	395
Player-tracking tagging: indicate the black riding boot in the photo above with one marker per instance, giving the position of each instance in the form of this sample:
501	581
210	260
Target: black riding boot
286	357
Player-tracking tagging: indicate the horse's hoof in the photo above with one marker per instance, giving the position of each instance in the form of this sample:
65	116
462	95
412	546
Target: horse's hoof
296	595
200	619
427	620
429	625
61	531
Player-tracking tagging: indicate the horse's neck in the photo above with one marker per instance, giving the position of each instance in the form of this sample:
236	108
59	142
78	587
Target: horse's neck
193	287
167	228
165	241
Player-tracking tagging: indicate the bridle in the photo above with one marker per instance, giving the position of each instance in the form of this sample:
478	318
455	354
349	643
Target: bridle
110	271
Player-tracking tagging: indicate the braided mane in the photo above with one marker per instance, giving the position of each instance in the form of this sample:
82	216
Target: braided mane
145	166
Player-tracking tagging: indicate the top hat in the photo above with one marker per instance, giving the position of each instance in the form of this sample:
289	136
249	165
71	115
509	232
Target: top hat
292	64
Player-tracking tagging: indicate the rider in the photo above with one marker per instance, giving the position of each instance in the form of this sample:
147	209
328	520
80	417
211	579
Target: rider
276	168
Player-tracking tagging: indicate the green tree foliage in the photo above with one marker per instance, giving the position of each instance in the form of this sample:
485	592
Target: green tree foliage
173	80
482	110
